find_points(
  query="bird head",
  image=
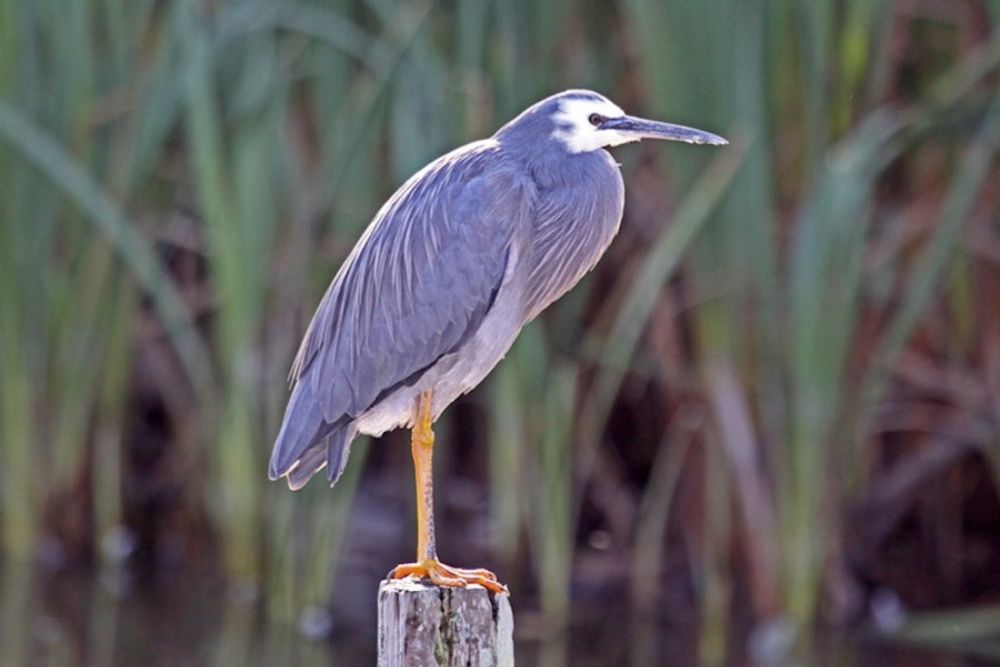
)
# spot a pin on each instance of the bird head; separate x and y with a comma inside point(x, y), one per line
point(585, 121)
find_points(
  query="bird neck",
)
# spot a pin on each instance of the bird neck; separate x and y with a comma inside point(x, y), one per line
point(557, 167)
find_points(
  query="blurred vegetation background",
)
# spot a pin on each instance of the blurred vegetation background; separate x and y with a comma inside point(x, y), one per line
point(774, 406)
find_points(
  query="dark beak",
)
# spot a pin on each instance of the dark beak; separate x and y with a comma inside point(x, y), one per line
point(654, 129)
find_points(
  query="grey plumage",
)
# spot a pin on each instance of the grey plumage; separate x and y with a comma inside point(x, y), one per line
point(466, 252)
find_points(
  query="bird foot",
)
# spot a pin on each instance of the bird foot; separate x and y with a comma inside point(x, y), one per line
point(440, 574)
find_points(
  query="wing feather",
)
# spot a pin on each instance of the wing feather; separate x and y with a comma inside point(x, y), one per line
point(419, 281)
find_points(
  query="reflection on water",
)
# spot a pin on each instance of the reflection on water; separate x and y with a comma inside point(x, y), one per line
point(85, 621)
point(102, 621)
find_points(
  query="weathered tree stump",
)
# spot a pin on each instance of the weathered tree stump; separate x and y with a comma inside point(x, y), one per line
point(423, 625)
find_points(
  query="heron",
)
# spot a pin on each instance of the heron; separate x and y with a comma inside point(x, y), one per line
point(465, 253)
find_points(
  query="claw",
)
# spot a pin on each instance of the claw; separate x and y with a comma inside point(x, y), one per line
point(440, 574)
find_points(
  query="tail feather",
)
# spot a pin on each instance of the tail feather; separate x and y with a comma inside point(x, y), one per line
point(330, 452)
point(338, 448)
point(310, 464)
point(307, 442)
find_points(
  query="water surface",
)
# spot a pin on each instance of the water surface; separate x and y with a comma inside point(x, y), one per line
point(88, 620)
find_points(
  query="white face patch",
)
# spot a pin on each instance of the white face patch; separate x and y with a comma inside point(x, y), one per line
point(578, 134)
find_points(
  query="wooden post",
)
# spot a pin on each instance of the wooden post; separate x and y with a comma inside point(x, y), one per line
point(421, 625)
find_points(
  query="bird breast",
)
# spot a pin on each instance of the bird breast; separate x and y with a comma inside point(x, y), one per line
point(578, 214)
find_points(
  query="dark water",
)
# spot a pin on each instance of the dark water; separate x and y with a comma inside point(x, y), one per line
point(85, 620)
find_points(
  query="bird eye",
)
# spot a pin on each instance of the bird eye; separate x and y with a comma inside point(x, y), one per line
point(596, 119)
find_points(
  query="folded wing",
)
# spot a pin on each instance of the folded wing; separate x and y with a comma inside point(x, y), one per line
point(415, 287)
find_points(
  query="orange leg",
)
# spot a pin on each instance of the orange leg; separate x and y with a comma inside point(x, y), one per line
point(427, 565)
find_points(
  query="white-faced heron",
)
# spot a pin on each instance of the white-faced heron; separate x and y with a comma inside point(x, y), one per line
point(463, 255)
